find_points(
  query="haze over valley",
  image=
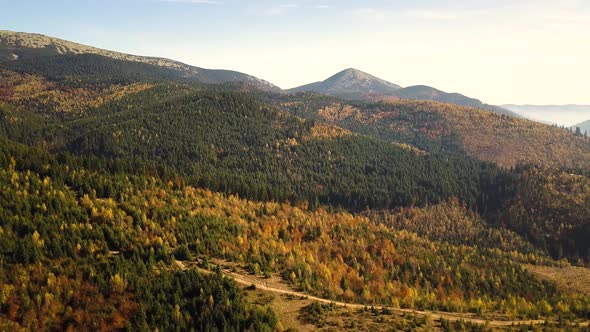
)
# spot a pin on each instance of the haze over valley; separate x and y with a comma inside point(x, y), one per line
point(563, 115)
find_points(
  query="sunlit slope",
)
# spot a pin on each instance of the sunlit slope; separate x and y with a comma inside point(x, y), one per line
point(434, 126)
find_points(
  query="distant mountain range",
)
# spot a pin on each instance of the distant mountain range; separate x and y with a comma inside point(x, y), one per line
point(355, 84)
point(584, 126)
point(565, 115)
point(350, 83)
point(19, 45)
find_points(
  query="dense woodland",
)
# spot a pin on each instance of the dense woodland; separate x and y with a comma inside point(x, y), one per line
point(551, 209)
point(67, 261)
point(229, 142)
point(111, 171)
point(54, 227)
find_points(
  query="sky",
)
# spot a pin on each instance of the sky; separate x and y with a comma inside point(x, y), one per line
point(517, 52)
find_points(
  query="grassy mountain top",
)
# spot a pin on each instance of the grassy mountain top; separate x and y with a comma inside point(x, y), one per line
point(31, 43)
point(18, 46)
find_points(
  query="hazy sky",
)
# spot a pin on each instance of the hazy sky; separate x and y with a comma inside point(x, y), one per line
point(529, 51)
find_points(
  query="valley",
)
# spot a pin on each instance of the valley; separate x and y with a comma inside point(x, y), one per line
point(141, 193)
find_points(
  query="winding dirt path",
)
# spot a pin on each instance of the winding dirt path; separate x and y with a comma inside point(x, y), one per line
point(264, 285)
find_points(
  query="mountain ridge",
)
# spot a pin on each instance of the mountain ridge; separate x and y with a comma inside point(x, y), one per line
point(352, 83)
point(15, 46)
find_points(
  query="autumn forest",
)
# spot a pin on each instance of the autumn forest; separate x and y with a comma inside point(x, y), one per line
point(129, 189)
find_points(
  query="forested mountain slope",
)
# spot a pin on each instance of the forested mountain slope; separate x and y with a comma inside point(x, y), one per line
point(70, 260)
point(551, 209)
point(77, 242)
point(433, 126)
point(228, 141)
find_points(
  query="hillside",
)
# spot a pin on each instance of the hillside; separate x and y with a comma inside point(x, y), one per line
point(355, 84)
point(508, 141)
point(230, 142)
point(219, 138)
point(107, 247)
point(19, 46)
point(433, 126)
point(563, 226)
point(422, 92)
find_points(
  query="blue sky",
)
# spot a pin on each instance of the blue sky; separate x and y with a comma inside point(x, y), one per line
point(499, 51)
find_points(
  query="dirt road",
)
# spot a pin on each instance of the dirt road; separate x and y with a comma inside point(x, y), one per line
point(262, 284)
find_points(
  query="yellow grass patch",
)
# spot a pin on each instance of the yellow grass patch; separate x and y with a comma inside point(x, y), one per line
point(569, 278)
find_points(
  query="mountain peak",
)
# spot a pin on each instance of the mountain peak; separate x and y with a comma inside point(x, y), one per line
point(351, 82)
point(353, 72)
point(355, 76)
